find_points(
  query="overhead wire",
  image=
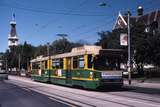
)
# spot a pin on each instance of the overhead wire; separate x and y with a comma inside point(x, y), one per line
point(70, 10)
point(88, 31)
point(64, 13)
point(94, 28)
point(48, 12)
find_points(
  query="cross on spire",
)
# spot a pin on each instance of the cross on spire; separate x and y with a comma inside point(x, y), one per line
point(13, 17)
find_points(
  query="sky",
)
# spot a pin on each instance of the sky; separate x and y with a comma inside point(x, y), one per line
point(39, 21)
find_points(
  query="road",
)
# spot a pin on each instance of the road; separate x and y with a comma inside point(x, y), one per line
point(23, 91)
point(14, 96)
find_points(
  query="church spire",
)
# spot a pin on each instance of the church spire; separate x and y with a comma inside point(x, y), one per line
point(12, 37)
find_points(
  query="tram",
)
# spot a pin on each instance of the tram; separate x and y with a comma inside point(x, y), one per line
point(88, 66)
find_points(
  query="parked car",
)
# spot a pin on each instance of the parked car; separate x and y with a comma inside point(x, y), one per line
point(3, 75)
point(125, 72)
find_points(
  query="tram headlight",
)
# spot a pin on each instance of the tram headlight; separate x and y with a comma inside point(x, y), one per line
point(91, 75)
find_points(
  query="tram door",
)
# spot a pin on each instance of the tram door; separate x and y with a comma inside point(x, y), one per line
point(68, 72)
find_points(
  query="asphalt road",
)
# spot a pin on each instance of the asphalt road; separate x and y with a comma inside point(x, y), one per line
point(15, 96)
point(23, 92)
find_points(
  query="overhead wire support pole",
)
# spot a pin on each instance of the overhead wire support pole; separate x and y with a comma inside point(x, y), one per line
point(6, 65)
point(19, 63)
point(49, 58)
point(129, 50)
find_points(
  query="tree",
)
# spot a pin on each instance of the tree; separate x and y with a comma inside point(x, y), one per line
point(145, 46)
point(40, 50)
point(64, 45)
point(26, 53)
point(110, 39)
point(23, 52)
point(61, 46)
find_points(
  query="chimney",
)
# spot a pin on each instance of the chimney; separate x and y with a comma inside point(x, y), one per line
point(140, 11)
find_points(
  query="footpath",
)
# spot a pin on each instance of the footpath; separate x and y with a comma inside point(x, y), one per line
point(151, 83)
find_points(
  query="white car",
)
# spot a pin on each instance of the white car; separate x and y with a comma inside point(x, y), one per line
point(125, 72)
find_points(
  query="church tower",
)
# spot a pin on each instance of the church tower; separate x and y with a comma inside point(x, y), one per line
point(12, 36)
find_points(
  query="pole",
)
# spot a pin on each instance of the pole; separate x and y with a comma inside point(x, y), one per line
point(19, 62)
point(129, 51)
point(48, 52)
point(6, 65)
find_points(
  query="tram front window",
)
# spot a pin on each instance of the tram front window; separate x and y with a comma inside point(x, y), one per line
point(106, 63)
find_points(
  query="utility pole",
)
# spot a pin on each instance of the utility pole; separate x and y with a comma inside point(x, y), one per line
point(62, 35)
point(6, 65)
point(49, 58)
point(129, 50)
point(19, 62)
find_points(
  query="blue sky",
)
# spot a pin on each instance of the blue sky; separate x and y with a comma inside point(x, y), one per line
point(38, 21)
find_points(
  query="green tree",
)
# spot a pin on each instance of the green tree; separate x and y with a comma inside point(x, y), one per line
point(23, 52)
point(64, 45)
point(110, 39)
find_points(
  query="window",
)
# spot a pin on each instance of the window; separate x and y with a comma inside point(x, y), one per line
point(81, 62)
point(106, 63)
point(61, 63)
point(57, 63)
point(78, 62)
point(90, 60)
point(75, 62)
point(45, 64)
point(35, 65)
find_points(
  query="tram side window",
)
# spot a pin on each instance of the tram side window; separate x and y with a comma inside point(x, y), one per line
point(35, 65)
point(81, 62)
point(61, 63)
point(53, 64)
point(42, 65)
point(75, 62)
point(46, 64)
point(90, 61)
point(57, 63)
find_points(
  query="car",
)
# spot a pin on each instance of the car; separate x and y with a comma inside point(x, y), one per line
point(3, 75)
point(125, 72)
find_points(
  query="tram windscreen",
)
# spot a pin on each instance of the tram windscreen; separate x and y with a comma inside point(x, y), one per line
point(107, 60)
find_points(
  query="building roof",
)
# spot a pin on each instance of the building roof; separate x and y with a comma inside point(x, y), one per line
point(147, 19)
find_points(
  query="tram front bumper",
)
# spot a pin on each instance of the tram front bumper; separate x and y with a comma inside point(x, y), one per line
point(111, 82)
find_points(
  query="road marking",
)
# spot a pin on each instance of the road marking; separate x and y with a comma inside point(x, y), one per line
point(61, 102)
point(27, 89)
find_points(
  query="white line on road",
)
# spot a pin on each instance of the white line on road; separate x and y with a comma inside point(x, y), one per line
point(27, 89)
point(61, 102)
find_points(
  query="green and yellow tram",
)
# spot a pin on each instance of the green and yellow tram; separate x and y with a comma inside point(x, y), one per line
point(87, 66)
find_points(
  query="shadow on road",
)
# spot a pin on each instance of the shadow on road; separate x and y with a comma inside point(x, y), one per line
point(151, 90)
point(135, 89)
point(14, 96)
